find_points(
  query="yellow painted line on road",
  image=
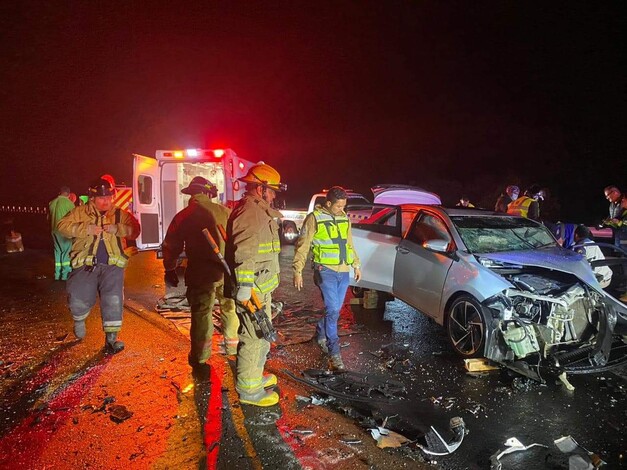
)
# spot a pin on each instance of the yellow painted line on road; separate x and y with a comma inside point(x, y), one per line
point(237, 415)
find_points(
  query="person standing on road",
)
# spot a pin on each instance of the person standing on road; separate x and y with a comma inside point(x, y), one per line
point(204, 275)
point(252, 252)
point(527, 205)
point(511, 194)
point(327, 232)
point(617, 211)
point(98, 230)
point(58, 208)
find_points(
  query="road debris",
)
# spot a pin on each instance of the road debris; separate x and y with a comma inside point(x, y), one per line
point(301, 430)
point(513, 445)
point(580, 458)
point(119, 413)
point(352, 386)
point(436, 445)
point(479, 365)
point(350, 439)
point(386, 438)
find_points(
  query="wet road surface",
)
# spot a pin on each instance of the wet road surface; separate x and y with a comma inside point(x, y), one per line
point(39, 367)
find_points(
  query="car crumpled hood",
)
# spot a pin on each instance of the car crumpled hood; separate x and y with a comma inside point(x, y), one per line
point(555, 258)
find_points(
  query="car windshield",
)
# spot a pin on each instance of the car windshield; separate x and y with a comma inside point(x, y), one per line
point(492, 234)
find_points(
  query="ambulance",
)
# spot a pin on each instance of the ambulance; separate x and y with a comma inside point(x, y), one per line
point(158, 180)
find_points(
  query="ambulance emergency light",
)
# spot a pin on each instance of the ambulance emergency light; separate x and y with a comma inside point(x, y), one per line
point(191, 154)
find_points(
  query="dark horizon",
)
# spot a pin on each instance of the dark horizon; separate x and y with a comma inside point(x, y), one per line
point(455, 98)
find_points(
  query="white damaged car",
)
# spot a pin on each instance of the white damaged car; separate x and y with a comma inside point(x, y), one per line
point(501, 286)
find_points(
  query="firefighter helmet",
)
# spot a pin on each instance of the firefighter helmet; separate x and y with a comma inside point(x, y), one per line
point(200, 185)
point(100, 187)
point(264, 175)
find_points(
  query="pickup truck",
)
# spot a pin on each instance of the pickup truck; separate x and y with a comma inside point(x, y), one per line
point(357, 208)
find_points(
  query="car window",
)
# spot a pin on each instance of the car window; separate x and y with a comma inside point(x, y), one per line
point(492, 234)
point(407, 218)
point(428, 227)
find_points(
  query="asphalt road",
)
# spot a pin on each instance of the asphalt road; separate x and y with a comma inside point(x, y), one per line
point(180, 412)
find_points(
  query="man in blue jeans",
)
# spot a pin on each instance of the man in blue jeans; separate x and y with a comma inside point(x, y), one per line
point(327, 232)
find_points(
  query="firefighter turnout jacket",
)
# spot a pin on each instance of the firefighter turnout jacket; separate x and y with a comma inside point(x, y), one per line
point(84, 246)
point(185, 233)
point(253, 244)
point(330, 239)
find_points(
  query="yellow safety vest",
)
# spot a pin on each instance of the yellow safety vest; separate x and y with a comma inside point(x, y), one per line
point(520, 206)
point(330, 243)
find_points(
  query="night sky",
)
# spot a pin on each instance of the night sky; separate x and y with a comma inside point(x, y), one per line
point(457, 97)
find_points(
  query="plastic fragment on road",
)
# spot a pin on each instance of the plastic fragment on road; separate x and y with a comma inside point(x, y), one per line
point(436, 445)
point(119, 413)
point(386, 438)
point(301, 430)
point(513, 445)
point(479, 365)
point(581, 458)
point(565, 381)
point(350, 439)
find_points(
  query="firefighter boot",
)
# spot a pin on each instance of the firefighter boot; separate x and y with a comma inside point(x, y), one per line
point(79, 329)
point(112, 345)
point(336, 363)
point(262, 398)
point(269, 380)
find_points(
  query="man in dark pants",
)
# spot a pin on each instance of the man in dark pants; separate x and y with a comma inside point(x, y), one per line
point(98, 230)
point(204, 275)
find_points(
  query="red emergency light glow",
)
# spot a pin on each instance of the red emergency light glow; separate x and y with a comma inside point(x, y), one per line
point(218, 153)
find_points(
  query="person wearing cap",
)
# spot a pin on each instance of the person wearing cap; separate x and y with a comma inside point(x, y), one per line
point(511, 194)
point(98, 230)
point(204, 275)
point(326, 232)
point(252, 252)
point(527, 205)
point(58, 208)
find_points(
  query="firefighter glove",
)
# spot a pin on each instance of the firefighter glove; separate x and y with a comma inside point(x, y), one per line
point(244, 294)
point(171, 278)
point(93, 229)
point(111, 228)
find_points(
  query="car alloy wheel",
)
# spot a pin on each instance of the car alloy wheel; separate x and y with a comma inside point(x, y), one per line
point(466, 327)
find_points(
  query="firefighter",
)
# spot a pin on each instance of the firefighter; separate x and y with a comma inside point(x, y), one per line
point(252, 251)
point(58, 208)
point(204, 275)
point(527, 205)
point(97, 231)
point(327, 231)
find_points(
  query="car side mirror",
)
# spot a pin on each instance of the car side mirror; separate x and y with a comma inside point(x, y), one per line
point(437, 245)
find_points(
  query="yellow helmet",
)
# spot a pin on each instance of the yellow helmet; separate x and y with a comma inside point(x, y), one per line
point(264, 175)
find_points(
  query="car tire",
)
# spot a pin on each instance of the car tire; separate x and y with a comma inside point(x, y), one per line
point(466, 326)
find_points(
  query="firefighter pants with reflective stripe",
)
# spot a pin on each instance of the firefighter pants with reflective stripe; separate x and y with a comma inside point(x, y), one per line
point(62, 247)
point(105, 281)
point(229, 320)
point(253, 349)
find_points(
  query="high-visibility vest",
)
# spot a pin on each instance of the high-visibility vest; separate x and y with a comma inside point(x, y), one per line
point(330, 243)
point(520, 206)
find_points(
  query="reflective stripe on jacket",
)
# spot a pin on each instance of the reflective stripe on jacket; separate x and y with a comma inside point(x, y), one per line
point(330, 242)
point(84, 246)
point(253, 244)
point(520, 206)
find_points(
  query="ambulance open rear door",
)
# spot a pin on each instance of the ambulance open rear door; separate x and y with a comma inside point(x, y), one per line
point(147, 201)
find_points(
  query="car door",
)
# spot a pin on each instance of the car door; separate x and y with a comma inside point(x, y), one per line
point(420, 273)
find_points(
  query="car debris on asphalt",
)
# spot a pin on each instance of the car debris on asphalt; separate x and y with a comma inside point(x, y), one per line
point(580, 458)
point(513, 445)
point(436, 445)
